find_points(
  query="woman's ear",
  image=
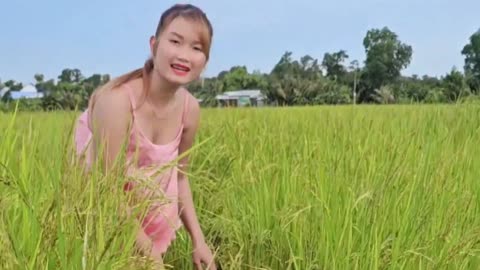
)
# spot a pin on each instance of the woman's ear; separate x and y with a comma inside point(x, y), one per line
point(153, 45)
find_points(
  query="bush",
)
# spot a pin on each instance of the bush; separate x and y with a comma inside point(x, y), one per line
point(24, 104)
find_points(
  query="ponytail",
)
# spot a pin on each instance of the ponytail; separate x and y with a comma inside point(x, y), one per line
point(147, 69)
point(135, 74)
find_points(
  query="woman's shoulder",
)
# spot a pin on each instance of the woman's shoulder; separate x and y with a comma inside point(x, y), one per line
point(192, 101)
point(111, 103)
point(115, 99)
point(192, 110)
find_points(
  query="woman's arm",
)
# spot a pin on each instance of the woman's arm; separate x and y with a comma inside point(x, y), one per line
point(187, 210)
point(201, 251)
point(109, 122)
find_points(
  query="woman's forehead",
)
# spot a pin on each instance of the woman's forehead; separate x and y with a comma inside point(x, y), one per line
point(186, 27)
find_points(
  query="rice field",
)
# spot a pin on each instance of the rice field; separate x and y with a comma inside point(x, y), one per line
point(365, 187)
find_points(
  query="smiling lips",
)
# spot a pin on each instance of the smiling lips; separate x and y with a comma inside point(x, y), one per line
point(180, 70)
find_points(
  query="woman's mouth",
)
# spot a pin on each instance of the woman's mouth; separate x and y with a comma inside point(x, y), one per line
point(179, 69)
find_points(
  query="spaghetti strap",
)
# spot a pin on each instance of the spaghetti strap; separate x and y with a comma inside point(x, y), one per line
point(185, 106)
point(131, 96)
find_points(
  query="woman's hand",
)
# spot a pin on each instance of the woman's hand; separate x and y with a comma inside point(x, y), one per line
point(203, 254)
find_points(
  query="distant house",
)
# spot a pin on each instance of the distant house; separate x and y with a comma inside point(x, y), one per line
point(241, 98)
point(29, 91)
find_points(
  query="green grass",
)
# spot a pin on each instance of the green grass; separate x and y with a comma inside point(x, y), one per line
point(366, 187)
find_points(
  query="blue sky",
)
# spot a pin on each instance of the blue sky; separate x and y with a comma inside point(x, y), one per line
point(112, 36)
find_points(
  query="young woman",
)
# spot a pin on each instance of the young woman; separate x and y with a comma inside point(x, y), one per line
point(159, 117)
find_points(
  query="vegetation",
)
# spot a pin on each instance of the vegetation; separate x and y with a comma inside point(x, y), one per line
point(363, 187)
point(306, 81)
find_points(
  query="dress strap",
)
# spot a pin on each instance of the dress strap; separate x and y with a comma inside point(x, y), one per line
point(131, 96)
point(185, 106)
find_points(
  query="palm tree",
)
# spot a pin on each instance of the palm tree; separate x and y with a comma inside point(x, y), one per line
point(384, 95)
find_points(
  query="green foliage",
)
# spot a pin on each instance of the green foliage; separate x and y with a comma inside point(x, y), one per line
point(302, 81)
point(239, 78)
point(455, 86)
point(294, 82)
point(71, 76)
point(9, 86)
point(70, 92)
point(366, 187)
point(471, 51)
point(386, 56)
point(333, 63)
point(13, 85)
point(23, 104)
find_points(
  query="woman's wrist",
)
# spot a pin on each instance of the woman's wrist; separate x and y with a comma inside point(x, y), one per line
point(197, 239)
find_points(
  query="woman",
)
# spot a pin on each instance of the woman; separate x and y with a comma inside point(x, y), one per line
point(159, 118)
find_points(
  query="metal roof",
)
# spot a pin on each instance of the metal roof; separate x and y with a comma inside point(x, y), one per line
point(229, 95)
point(28, 91)
point(20, 94)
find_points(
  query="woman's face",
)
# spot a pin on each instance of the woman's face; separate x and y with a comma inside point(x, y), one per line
point(178, 54)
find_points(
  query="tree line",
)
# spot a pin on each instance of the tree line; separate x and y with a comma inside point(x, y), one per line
point(305, 81)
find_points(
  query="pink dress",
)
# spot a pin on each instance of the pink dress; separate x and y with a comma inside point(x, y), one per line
point(162, 221)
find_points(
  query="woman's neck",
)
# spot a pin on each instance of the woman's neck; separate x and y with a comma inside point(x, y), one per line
point(161, 91)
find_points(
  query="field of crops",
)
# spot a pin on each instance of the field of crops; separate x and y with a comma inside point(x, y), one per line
point(366, 187)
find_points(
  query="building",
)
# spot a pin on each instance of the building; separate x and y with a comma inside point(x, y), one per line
point(29, 91)
point(241, 98)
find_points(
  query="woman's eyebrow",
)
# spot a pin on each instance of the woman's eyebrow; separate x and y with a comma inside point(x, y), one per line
point(176, 34)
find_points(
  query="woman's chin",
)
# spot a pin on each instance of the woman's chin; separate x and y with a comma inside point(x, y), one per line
point(178, 79)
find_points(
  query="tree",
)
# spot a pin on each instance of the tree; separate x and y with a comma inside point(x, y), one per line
point(333, 63)
point(93, 82)
point(384, 95)
point(386, 56)
point(44, 86)
point(239, 78)
point(309, 68)
point(294, 82)
point(13, 85)
point(39, 78)
point(471, 51)
point(306, 68)
point(454, 85)
point(10, 86)
point(300, 82)
point(284, 65)
point(410, 89)
point(2, 92)
point(71, 76)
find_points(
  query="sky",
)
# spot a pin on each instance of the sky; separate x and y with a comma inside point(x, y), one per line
point(111, 36)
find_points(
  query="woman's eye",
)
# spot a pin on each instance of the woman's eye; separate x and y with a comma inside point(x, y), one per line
point(174, 41)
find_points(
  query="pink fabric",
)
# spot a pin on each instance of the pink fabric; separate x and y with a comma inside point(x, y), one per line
point(162, 221)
